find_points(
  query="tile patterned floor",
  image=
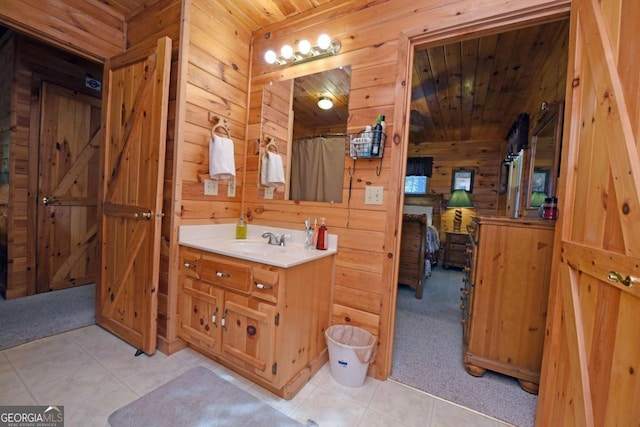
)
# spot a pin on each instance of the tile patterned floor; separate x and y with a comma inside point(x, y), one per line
point(92, 373)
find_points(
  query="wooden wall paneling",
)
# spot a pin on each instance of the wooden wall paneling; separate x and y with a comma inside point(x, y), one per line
point(87, 28)
point(371, 42)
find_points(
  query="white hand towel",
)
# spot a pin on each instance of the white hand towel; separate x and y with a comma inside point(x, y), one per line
point(272, 173)
point(222, 163)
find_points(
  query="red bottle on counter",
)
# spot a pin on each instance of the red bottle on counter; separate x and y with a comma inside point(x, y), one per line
point(323, 237)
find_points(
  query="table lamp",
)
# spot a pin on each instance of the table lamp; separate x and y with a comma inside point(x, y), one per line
point(459, 199)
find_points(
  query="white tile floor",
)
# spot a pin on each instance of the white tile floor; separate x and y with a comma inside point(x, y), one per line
point(92, 373)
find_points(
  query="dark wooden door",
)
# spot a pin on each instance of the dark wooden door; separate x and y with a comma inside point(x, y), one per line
point(591, 362)
point(67, 189)
point(132, 163)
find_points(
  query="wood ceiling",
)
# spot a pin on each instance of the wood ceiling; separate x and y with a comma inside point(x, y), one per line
point(255, 14)
point(474, 89)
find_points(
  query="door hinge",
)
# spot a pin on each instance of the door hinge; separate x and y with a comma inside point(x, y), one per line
point(274, 368)
point(276, 320)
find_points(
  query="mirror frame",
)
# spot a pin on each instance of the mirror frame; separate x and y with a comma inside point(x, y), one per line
point(550, 114)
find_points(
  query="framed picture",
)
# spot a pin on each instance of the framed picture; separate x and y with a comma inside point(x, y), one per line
point(462, 179)
point(540, 179)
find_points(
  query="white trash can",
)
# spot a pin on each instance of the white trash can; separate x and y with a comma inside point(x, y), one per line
point(351, 350)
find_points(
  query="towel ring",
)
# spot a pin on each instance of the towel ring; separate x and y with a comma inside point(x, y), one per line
point(221, 123)
point(271, 143)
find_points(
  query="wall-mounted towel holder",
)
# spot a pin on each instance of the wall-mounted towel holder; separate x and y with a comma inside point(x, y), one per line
point(219, 122)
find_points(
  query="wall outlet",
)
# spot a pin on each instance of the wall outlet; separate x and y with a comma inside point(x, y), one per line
point(231, 188)
point(373, 195)
point(210, 187)
point(268, 193)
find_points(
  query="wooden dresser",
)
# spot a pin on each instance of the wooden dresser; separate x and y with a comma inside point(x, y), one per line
point(504, 300)
point(412, 251)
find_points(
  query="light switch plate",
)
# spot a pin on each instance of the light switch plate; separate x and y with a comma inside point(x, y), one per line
point(373, 195)
point(231, 188)
point(268, 193)
point(210, 187)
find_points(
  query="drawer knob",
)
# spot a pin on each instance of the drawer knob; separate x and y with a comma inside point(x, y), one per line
point(262, 286)
point(189, 265)
point(221, 274)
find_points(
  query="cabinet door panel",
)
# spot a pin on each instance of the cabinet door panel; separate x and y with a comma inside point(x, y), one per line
point(201, 314)
point(249, 334)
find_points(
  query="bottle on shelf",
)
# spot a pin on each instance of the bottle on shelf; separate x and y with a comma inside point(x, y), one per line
point(323, 238)
point(377, 137)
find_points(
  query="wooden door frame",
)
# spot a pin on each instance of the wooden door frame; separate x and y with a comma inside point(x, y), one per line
point(408, 42)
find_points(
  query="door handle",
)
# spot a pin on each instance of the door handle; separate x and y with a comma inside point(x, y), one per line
point(614, 276)
point(48, 201)
point(148, 214)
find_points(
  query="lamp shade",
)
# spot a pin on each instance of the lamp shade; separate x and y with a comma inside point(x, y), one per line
point(537, 198)
point(460, 199)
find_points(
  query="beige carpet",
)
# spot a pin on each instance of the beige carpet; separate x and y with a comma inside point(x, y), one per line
point(199, 397)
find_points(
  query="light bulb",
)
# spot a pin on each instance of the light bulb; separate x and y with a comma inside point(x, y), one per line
point(304, 47)
point(270, 57)
point(324, 42)
point(286, 51)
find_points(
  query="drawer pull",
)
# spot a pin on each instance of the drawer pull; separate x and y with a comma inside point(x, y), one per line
point(221, 274)
point(189, 265)
point(223, 322)
point(262, 286)
point(214, 318)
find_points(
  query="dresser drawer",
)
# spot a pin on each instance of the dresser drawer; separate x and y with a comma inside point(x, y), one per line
point(190, 262)
point(225, 273)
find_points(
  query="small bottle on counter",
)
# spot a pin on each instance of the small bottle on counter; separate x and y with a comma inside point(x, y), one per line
point(241, 229)
point(323, 237)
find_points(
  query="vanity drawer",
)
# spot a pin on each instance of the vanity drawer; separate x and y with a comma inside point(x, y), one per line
point(265, 284)
point(190, 262)
point(225, 273)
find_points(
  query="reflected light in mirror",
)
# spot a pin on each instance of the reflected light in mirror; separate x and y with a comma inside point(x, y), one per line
point(325, 103)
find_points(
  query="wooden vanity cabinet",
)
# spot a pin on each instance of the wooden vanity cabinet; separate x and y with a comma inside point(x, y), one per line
point(505, 297)
point(264, 322)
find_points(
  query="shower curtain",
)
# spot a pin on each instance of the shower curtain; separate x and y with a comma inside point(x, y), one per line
point(317, 169)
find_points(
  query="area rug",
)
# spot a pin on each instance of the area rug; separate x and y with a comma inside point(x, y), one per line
point(199, 397)
point(38, 316)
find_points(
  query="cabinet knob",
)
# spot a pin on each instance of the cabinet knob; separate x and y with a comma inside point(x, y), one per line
point(189, 265)
point(221, 274)
point(261, 286)
point(463, 321)
point(463, 307)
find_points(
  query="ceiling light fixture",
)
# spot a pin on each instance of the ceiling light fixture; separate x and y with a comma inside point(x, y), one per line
point(306, 52)
point(325, 103)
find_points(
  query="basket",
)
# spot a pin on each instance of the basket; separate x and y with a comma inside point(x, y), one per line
point(360, 145)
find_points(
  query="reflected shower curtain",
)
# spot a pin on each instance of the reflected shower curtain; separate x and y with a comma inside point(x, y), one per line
point(317, 169)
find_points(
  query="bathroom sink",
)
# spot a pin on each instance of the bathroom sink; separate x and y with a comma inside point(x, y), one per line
point(255, 247)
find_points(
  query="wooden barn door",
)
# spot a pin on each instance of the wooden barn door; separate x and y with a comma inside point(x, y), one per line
point(591, 362)
point(67, 189)
point(132, 163)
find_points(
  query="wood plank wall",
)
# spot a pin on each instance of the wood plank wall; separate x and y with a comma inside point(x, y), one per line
point(88, 28)
point(7, 133)
point(373, 37)
point(34, 62)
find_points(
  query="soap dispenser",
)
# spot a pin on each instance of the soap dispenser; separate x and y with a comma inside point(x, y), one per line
point(323, 237)
point(241, 229)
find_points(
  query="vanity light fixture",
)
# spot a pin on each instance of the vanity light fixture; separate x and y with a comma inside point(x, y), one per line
point(305, 51)
point(325, 103)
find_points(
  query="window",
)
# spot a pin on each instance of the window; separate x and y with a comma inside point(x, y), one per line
point(415, 185)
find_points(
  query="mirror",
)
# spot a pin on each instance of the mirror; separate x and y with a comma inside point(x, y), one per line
point(545, 154)
point(311, 140)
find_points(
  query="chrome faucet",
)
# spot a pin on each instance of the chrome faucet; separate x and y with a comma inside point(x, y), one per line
point(274, 239)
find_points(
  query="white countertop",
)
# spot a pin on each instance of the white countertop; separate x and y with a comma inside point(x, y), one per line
point(220, 239)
